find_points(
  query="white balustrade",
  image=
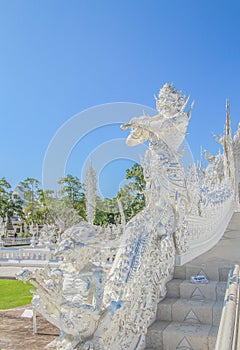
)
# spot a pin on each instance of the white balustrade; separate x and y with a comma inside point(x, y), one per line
point(26, 256)
point(10, 241)
point(205, 232)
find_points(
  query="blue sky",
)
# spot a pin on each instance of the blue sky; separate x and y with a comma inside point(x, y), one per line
point(61, 57)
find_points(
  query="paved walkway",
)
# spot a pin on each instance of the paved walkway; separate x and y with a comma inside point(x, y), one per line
point(9, 272)
point(16, 332)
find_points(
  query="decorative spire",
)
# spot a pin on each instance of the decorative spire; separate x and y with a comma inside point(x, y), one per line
point(122, 215)
point(228, 119)
point(228, 144)
point(91, 189)
point(201, 159)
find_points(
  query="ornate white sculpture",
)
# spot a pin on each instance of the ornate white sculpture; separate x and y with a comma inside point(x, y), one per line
point(104, 294)
point(47, 235)
point(63, 215)
point(32, 233)
point(121, 212)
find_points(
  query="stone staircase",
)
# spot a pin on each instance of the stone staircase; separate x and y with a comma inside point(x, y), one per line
point(188, 318)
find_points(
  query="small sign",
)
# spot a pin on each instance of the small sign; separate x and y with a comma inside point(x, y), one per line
point(199, 279)
point(27, 313)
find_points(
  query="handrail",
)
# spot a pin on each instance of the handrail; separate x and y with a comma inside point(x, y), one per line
point(205, 232)
point(228, 333)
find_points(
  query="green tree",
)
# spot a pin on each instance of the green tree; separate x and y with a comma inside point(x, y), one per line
point(41, 212)
point(72, 191)
point(107, 212)
point(131, 197)
point(132, 194)
point(136, 173)
point(45, 197)
point(30, 195)
point(36, 201)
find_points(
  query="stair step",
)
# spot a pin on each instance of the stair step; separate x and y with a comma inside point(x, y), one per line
point(177, 288)
point(163, 335)
point(190, 290)
point(188, 318)
point(190, 310)
point(210, 271)
point(154, 337)
point(173, 288)
point(213, 273)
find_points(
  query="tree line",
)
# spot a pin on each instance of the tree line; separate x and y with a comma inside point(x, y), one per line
point(35, 206)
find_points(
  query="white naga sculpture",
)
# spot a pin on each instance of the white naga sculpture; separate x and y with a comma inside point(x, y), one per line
point(105, 292)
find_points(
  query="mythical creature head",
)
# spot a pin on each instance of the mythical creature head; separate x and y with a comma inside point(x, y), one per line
point(77, 235)
point(169, 125)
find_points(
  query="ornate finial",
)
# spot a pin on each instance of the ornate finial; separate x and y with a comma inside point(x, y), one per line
point(228, 120)
point(227, 107)
point(201, 159)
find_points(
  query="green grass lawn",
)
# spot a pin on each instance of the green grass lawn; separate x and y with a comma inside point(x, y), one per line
point(14, 293)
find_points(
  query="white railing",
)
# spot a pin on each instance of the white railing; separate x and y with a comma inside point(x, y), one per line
point(205, 232)
point(26, 256)
point(228, 333)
